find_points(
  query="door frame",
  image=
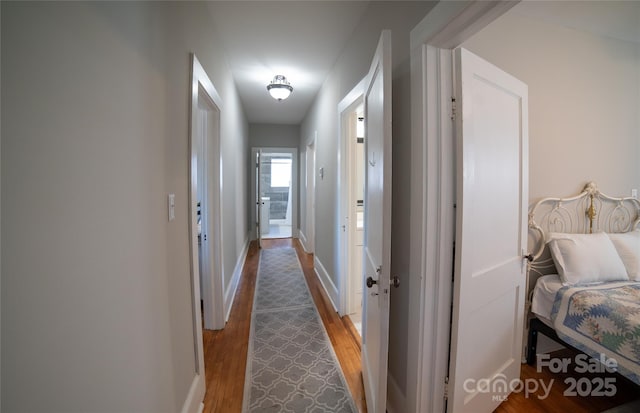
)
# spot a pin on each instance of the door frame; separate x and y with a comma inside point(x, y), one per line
point(203, 93)
point(432, 211)
point(309, 234)
point(345, 108)
point(294, 185)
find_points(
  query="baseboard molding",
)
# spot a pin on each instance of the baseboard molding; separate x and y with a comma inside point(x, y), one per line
point(230, 293)
point(303, 240)
point(396, 400)
point(193, 403)
point(328, 285)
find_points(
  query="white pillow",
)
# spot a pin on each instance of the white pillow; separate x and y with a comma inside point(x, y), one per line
point(628, 246)
point(586, 258)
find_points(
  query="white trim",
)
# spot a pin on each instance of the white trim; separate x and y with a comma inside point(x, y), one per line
point(325, 280)
point(450, 23)
point(200, 82)
point(193, 403)
point(345, 108)
point(230, 293)
point(204, 92)
point(310, 196)
point(294, 184)
point(303, 241)
point(396, 400)
point(433, 190)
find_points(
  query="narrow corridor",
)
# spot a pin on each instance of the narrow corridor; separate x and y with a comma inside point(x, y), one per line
point(225, 351)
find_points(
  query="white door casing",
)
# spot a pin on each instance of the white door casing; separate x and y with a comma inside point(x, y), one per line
point(491, 234)
point(260, 155)
point(204, 96)
point(347, 175)
point(377, 237)
point(432, 211)
point(310, 183)
point(258, 197)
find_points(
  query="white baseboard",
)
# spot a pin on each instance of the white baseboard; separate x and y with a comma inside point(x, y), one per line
point(325, 280)
point(193, 403)
point(230, 292)
point(303, 240)
point(396, 400)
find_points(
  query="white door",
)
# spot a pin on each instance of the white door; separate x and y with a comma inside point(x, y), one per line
point(491, 235)
point(377, 236)
point(258, 197)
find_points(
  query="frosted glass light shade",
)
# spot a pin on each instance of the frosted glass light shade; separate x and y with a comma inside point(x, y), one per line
point(279, 88)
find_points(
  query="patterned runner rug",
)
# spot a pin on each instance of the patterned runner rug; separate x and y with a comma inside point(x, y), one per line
point(291, 366)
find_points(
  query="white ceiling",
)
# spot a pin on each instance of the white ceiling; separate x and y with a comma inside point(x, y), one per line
point(302, 40)
point(298, 39)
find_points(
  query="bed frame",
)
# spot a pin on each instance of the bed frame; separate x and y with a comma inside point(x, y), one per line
point(589, 211)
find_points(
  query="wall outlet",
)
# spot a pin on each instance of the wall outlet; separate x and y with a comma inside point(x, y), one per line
point(634, 193)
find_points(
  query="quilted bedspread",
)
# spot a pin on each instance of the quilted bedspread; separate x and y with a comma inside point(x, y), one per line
point(602, 319)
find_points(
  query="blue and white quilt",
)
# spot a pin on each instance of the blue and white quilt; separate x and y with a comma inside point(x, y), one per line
point(602, 319)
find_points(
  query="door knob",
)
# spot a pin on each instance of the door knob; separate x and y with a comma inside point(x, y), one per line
point(371, 282)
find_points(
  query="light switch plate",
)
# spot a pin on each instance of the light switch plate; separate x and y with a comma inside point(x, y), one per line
point(172, 207)
point(634, 193)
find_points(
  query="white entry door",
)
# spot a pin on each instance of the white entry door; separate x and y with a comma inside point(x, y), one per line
point(491, 235)
point(377, 233)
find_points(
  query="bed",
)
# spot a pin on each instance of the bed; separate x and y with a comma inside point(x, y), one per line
point(584, 277)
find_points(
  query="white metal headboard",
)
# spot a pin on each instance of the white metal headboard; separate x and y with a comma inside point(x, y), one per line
point(589, 211)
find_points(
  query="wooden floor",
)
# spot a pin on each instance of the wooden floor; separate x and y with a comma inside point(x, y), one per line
point(225, 351)
point(558, 402)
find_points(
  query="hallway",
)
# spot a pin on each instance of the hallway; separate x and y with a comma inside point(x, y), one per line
point(225, 351)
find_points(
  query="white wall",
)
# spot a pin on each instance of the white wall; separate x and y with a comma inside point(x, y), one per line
point(268, 135)
point(352, 65)
point(584, 101)
point(95, 134)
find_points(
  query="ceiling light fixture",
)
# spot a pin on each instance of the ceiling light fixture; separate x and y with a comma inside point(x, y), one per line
point(279, 88)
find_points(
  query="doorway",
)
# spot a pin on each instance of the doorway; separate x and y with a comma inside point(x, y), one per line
point(354, 227)
point(352, 169)
point(308, 236)
point(204, 224)
point(275, 192)
point(205, 202)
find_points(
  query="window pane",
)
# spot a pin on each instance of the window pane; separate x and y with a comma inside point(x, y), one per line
point(280, 172)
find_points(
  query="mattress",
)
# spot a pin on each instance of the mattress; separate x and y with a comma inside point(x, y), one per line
point(544, 295)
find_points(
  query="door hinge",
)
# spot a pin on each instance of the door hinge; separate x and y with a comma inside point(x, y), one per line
point(446, 388)
point(453, 108)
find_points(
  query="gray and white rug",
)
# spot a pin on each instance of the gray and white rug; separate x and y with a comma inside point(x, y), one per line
point(291, 366)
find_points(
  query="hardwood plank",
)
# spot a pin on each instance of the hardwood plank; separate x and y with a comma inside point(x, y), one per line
point(557, 402)
point(225, 351)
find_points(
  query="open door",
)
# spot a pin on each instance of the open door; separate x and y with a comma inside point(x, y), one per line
point(491, 235)
point(258, 199)
point(377, 235)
